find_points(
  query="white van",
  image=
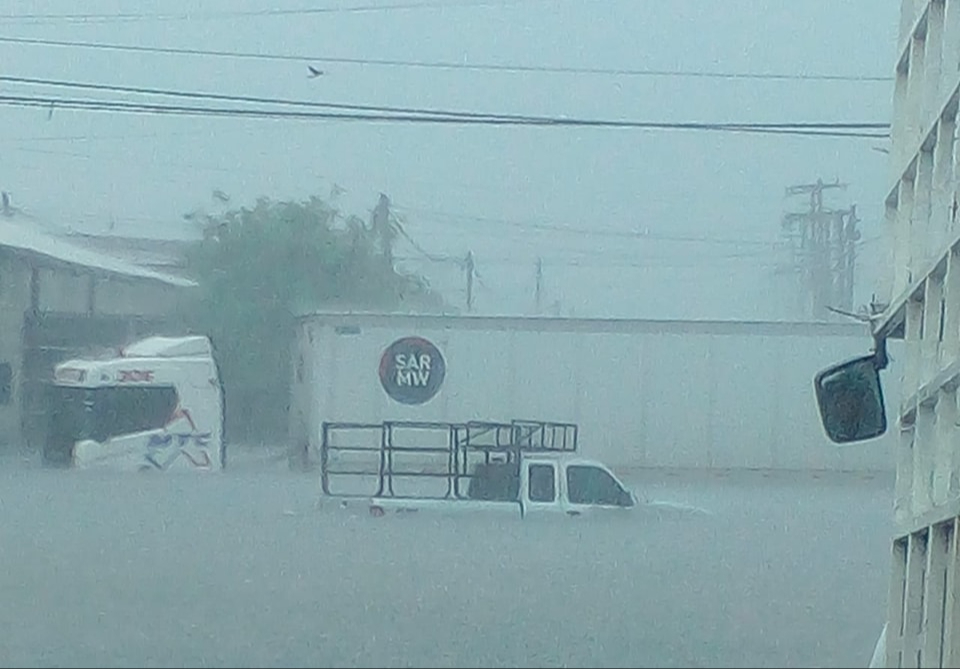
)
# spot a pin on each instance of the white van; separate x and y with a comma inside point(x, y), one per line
point(156, 406)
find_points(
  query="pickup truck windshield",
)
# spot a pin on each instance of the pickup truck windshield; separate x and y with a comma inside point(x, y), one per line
point(592, 485)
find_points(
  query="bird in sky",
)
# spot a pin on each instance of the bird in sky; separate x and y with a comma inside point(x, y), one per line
point(314, 72)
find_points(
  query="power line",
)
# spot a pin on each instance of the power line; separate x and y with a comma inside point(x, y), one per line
point(282, 102)
point(584, 259)
point(82, 104)
point(747, 247)
point(98, 138)
point(554, 256)
point(287, 102)
point(449, 65)
point(152, 159)
point(397, 223)
point(258, 13)
point(613, 263)
point(595, 232)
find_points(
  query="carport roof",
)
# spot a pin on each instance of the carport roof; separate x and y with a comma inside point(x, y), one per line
point(23, 238)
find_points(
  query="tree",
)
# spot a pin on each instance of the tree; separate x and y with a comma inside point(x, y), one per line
point(258, 267)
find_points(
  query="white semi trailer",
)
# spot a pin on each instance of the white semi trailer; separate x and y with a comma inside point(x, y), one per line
point(644, 393)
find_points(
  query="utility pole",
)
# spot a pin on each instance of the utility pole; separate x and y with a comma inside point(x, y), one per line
point(469, 267)
point(538, 291)
point(382, 228)
point(823, 242)
point(847, 247)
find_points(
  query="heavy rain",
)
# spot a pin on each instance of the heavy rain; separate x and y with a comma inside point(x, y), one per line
point(465, 333)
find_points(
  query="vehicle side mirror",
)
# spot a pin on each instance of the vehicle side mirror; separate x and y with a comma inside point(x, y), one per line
point(850, 399)
point(626, 499)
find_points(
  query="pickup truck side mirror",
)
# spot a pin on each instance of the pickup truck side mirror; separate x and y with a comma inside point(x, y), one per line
point(850, 399)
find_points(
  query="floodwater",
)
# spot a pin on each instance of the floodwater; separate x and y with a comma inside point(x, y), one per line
point(241, 569)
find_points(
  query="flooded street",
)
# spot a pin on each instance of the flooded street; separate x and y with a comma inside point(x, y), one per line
point(528, 250)
point(240, 569)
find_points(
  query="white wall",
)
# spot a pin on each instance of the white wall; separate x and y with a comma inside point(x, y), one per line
point(67, 290)
point(14, 298)
point(645, 394)
point(63, 289)
point(121, 296)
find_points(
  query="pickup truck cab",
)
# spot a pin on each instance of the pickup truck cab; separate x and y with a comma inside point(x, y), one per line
point(540, 485)
point(524, 468)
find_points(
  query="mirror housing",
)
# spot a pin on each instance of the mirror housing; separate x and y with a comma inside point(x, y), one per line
point(850, 399)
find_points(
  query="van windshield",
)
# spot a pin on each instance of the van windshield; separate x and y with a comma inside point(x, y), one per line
point(101, 414)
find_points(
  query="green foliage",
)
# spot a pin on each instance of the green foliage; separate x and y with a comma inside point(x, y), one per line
point(258, 267)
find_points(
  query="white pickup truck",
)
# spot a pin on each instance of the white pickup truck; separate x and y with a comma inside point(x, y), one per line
point(522, 468)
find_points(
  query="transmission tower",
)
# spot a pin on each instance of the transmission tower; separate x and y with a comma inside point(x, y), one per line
point(823, 244)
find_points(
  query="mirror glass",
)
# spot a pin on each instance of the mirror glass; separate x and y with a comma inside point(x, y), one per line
point(851, 401)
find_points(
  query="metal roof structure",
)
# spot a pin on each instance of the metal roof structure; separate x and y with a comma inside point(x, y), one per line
point(164, 255)
point(37, 242)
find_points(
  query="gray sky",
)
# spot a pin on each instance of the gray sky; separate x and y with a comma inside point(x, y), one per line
point(472, 188)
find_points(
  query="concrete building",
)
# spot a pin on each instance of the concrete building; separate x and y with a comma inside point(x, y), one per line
point(922, 292)
point(59, 299)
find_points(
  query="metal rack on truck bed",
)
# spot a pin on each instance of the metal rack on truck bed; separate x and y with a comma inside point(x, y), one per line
point(469, 460)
